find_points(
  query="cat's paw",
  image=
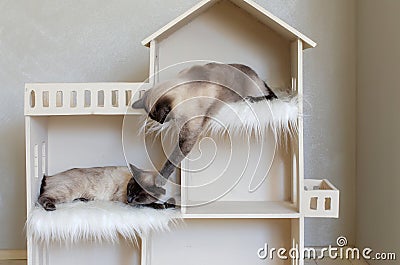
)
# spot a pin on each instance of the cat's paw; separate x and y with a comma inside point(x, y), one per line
point(47, 203)
point(49, 206)
point(170, 203)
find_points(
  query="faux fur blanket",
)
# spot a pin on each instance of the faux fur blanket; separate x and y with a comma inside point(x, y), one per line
point(247, 118)
point(98, 221)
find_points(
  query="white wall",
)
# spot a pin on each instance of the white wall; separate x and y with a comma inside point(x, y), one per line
point(378, 126)
point(86, 41)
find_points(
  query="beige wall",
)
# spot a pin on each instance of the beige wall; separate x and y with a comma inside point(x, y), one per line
point(378, 126)
point(86, 41)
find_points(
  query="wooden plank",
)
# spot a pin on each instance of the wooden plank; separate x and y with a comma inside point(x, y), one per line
point(294, 145)
point(184, 185)
point(13, 254)
point(295, 234)
point(145, 250)
point(13, 262)
point(328, 261)
point(243, 209)
point(301, 239)
point(295, 174)
point(28, 164)
point(252, 8)
point(299, 86)
point(29, 203)
point(297, 76)
point(309, 262)
point(358, 262)
point(153, 74)
point(79, 88)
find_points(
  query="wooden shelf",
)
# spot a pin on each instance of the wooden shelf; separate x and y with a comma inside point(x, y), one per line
point(241, 209)
point(58, 99)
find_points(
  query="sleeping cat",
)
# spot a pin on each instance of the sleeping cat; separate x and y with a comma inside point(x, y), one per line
point(97, 183)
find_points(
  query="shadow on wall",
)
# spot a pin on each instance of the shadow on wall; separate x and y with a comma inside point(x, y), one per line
point(12, 179)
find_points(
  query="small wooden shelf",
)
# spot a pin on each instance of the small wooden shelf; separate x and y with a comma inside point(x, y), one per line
point(58, 99)
point(243, 209)
point(321, 199)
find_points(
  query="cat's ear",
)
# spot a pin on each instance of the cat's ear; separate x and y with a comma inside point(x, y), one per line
point(139, 104)
point(134, 170)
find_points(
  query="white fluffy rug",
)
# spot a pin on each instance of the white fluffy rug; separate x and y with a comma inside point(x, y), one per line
point(245, 118)
point(98, 221)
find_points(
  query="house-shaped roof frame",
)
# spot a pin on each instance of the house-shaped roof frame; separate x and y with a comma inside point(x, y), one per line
point(251, 7)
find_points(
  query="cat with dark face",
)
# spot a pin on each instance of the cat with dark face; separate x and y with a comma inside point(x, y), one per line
point(99, 183)
point(141, 188)
point(192, 99)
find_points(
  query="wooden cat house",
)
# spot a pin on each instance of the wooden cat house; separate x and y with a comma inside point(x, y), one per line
point(222, 220)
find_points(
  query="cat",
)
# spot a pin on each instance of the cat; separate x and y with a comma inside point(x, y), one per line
point(96, 183)
point(191, 100)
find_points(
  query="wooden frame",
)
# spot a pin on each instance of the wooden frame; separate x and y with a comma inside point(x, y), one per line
point(46, 102)
point(254, 9)
point(13, 254)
